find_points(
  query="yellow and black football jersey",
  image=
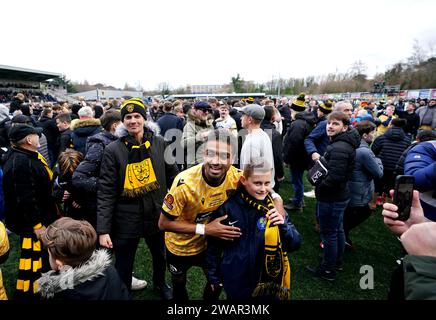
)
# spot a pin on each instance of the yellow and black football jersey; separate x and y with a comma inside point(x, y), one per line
point(193, 200)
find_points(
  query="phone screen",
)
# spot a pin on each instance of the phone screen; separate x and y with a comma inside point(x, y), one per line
point(403, 198)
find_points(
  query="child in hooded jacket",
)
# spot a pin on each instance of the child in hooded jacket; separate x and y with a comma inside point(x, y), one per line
point(79, 271)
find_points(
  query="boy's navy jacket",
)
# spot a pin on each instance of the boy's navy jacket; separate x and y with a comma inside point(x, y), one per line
point(238, 264)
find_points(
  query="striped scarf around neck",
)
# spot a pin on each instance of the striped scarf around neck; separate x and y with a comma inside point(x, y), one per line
point(275, 279)
point(140, 177)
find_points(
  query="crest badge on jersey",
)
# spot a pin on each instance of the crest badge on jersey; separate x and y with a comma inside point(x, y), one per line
point(261, 223)
point(168, 201)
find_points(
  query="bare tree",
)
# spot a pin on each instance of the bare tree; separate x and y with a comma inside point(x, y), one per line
point(418, 54)
point(127, 87)
point(431, 49)
point(164, 88)
point(358, 68)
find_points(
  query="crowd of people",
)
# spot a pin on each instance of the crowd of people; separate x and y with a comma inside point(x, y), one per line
point(200, 182)
point(8, 95)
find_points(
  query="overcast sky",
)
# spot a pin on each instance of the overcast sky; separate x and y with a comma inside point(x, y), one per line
point(209, 41)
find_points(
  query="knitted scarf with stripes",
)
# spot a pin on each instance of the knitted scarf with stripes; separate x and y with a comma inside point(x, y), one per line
point(140, 177)
point(275, 279)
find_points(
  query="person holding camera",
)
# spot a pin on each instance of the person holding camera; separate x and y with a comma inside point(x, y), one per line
point(415, 279)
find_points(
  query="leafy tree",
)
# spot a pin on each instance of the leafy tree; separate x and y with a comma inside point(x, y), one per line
point(66, 83)
point(237, 83)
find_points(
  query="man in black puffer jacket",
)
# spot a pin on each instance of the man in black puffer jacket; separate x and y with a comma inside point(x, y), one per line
point(134, 179)
point(333, 194)
point(389, 147)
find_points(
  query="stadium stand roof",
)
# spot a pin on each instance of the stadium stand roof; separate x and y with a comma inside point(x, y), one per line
point(22, 74)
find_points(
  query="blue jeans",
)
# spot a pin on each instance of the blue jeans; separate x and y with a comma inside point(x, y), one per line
point(331, 216)
point(297, 183)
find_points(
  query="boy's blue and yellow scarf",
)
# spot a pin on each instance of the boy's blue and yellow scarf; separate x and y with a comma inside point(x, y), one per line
point(275, 279)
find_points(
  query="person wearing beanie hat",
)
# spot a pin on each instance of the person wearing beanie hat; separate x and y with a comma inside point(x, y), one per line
point(133, 105)
point(323, 110)
point(326, 107)
point(248, 100)
point(299, 104)
point(135, 174)
point(294, 152)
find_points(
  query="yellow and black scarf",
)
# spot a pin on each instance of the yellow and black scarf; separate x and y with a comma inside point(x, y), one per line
point(46, 166)
point(275, 279)
point(140, 177)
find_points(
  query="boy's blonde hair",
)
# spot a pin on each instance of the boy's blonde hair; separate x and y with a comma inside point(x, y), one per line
point(70, 241)
point(257, 166)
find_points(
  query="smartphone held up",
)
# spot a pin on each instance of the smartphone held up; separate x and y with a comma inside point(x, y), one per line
point(403, 195)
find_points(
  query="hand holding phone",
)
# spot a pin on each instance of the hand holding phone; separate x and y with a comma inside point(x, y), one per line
point(390, 215)
point(403, 195)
